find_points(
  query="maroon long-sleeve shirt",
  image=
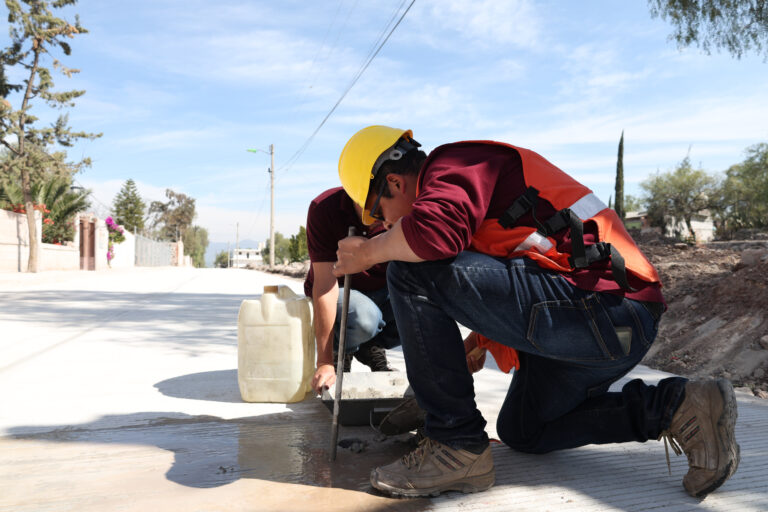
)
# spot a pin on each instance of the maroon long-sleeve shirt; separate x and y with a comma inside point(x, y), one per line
point(328, 219)
point(464, 183)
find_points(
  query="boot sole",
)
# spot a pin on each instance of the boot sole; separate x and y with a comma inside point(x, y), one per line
point(726, 425)
point(471, 484)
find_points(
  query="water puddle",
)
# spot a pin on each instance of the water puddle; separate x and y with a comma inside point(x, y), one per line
point(285, 447)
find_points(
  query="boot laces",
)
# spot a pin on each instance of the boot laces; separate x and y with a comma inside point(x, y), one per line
point(417, 456)
point(669, 440)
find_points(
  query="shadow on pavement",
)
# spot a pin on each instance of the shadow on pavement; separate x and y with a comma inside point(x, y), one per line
point(292, 447)
point(287, 447)
point(214, 386)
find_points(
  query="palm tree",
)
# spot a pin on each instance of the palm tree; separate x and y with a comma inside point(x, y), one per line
point(62, 202)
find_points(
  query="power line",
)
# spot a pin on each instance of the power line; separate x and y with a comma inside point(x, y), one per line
point(289, 163)
point(92, 196)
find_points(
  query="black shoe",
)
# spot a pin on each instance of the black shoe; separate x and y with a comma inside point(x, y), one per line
point(374, 357)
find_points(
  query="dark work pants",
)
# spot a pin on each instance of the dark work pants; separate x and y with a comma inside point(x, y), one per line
point(573, 345)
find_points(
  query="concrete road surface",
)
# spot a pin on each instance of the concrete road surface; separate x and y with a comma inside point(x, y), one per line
point(118, 391)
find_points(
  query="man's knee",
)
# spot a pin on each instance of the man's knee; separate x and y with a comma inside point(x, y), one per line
point(366, 322)
point(364, 319)
point(513, 436)
point(396, 272)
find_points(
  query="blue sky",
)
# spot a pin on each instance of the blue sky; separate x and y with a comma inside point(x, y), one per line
point(181, 88)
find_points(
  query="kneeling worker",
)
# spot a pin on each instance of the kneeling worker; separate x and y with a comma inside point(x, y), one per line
point(371, 327)
point(498, 239)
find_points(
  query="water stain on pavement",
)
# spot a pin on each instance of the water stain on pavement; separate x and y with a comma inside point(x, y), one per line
point(285, 447)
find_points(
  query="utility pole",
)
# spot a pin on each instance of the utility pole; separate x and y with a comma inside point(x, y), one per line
point(272, 206)
point(271, 172)
point(237, 244)
point(229, 256)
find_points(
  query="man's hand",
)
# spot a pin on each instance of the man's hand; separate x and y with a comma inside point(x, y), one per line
point(324, 378)
point(351, 256)
point(475, 355)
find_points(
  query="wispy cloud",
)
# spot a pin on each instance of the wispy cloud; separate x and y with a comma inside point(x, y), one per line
point(483, 23)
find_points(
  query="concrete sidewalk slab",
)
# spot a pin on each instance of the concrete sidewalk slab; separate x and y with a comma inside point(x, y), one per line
point(118, 391)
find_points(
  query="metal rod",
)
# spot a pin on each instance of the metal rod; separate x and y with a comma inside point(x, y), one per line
point(340, 358)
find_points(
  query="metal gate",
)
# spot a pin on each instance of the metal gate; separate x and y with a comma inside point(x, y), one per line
point(153, 253)
point(87, 244)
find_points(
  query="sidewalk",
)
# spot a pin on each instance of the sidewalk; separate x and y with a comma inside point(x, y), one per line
point(118, 391)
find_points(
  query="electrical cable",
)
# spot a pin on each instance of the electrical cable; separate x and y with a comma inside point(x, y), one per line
point(91, 196)
point(289, 163)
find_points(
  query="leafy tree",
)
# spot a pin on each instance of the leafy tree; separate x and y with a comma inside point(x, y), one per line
point(171, 219)
point(678, 195)
point(282, 248)
point(58, 198)
point(222, 260)
point(632, 204)
point(734, 25)
point(195, 244)
point(744, 193)
point(297, 248)
point(34, 33)
point(128, 208)
point(619, 206)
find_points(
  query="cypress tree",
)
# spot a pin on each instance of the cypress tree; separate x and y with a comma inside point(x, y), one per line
point(619, 206)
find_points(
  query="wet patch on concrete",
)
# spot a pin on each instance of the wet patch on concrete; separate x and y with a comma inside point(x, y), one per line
point(286, 447)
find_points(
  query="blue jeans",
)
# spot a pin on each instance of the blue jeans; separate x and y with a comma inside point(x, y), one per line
point(370, 318)
point(573, 344)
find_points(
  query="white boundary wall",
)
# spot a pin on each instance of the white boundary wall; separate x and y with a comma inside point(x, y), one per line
point(14, 246)
point(125, 252)
point(59, 257)
point(14, 240)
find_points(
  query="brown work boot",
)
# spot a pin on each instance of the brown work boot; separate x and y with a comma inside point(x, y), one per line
point(703, 428)
point(433, 468)
point(405, 417)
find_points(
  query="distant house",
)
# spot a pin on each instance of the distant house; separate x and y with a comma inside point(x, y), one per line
point(636, 220)
point(702, 224)
point(241, 258)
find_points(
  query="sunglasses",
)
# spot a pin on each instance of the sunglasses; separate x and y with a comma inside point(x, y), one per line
point(374, 213)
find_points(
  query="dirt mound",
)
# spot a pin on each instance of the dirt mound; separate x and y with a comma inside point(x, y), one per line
point(716, 324)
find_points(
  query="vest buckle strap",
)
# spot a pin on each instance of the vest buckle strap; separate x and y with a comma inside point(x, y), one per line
point(520, 207)
point(602, 251)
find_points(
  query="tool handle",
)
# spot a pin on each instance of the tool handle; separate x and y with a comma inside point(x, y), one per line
point(340, 357)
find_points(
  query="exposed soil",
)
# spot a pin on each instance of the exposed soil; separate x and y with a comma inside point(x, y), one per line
point(716, 324)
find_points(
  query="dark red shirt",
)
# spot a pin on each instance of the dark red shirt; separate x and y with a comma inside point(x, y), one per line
point(462, 184)
point(328, 219)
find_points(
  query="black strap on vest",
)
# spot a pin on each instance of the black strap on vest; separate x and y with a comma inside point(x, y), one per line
point(520, 207)
point(603, 250)
point(581, 256)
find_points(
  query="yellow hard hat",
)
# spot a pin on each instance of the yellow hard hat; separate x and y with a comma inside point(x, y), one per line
point(357, 160)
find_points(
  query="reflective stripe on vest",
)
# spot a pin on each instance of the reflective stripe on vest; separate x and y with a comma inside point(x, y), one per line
point(588, 206)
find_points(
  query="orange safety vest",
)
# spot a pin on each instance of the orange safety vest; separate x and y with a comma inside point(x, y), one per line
point(567, 195)
point(576, 204)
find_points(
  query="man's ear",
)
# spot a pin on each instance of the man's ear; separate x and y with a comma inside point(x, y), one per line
point(396, 180)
